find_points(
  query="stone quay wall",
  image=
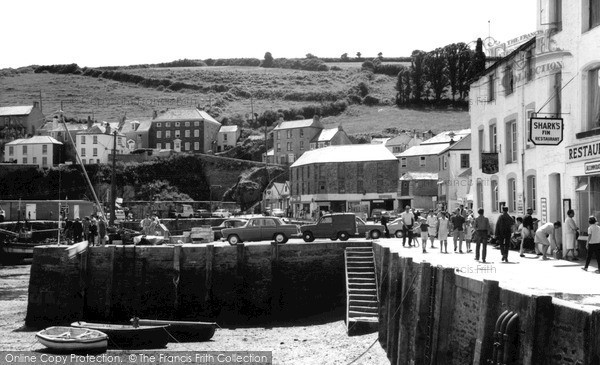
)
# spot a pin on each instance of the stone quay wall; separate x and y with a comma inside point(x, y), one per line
point(187, 282)
point(434, 315)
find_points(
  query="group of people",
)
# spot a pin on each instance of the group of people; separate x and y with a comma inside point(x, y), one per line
point(91, 228)
point(521, 232)
point(149, 224)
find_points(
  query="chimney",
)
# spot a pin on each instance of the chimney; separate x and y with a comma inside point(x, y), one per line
point(279, 121)
point(340, 128)
point(55, 122)
point(90, 123)
point(107, 128)
point(316, 118)
point(36, 104)
point(154, 114)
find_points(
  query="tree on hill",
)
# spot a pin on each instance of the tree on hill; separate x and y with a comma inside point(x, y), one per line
point(310, 55)
point(268, 61)
point(435, 72)
point(345, 57)
point(358, 54)
point(403, 86)
point(478, 64)
point(451, 53)
point(417, 74)
point(380, 56)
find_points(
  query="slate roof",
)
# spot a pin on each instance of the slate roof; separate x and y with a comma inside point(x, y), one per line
point(420, 176)
point(464, 144)
point(228, 129)
point(445, 138)
point(35, 140)
point(291, 124)
point(327, 134)
point(346, 153)
point(6, 111)
point(191, 114)
point(424, 150)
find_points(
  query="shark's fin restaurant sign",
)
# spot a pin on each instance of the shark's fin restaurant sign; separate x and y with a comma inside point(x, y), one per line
point(546, 131)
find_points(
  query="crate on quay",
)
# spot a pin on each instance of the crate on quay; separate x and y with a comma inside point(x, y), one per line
point(202, 234)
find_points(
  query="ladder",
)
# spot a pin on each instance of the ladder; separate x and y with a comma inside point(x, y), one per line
point(361, 291)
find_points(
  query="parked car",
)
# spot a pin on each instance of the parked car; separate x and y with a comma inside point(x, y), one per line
point(221, 213)
point(182, 211)
point(342, 226)
point(278, 212)
point(395, 228)
point(261, 229)
point(202, 213)
point(227, 223)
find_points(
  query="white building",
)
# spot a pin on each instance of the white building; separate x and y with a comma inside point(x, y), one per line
point(43, 151)
point(554, 75)
point(95, 144)
point(455, 175)
point(227, 137)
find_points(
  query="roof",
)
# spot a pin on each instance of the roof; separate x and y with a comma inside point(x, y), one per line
point(420, 176)
point(424, 150)
point(190, 114)
point(401, 139)
point(379, 140)
point(444, 137)
point(346, 153)
point(15, 110)
point(494, 66)
point(35, 140)
point(144, 126)
point(291, 124)
point(60, 127)
point(467, 173)
point(462, 145)
point(99, 129)
point(327, 134)
point(228, 129)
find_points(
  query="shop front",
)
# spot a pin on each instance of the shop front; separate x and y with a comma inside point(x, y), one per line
point(582, 190)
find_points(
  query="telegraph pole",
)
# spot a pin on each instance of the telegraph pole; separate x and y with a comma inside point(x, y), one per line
point(113, 187)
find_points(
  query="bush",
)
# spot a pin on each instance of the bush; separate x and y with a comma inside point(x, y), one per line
point(370, 100)
point(368, 65)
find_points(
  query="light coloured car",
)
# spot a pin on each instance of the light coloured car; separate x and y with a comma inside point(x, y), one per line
point(221, 213)
point(278, 212)
point(395, 227)
point(261, 229)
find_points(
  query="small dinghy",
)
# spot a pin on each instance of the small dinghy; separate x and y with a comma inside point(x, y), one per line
point(70, 339)
point(124, 336)
point(184, 330)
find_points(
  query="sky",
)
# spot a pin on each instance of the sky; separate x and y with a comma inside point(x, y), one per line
point(125, 32)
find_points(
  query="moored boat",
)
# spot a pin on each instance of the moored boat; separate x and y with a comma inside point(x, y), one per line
point(70, 339)
point(123, 336)
point(188, 331)
point(14, 251)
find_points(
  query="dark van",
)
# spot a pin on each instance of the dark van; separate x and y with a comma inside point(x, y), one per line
point(342, 226)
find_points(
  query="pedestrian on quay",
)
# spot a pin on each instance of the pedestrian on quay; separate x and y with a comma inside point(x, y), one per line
point(593, 244)
point(432, 226)
point(68, 230)
point(469, 230)
point(77, 230)
point(101, 231)
point(544, 233)
point(93, 230)
point(571, 234)
point(424, 227)
point(458, 229)
point(527, 232)
point(504, 230)
point(145, 224)
point(408, 220)
point(482, 228)
point(86, 228)
point(443, 227)
point(384, 222)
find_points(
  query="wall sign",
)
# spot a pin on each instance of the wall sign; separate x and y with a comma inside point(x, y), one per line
point(546, 131)
point(592, 167)
point(489, 163)
point(544, 210)
point(583, 152)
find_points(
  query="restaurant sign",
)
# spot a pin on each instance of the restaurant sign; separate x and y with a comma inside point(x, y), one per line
point(588, 151)
point(592, 167)
point(546, 131)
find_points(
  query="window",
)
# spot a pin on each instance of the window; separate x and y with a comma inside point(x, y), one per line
point(444, 162)
point(302, 145)
point(594, 99)
point(83, 152)
point(594, 13)
point(313, 146)
point(556, 14)
point(278, 147)
point(82, 139)
point(481, 146)
point(196, 146)
point(177, 133)
point(512, 194)
point(531, 197)
point(167, 146)
point(509, 81)
point(422, 161)
point(464, 161)
point(277, 135)
point(292, 158)
point(24, 160)
point(167, 125)
point(511, 142)
point(95, 140)
point(24, 150)
point(158, 125)
point(196, 133)
point(11, 150)
point(290, 134)
point(493, 138)
point(403, 162)
point(187, 146)
point(322, 186)
point(187, 132)
point(289, 146)
point(95, 152)
point(158, 134)
point(167, 134)
point(83, 161)
point(529, 113)
point(360, 187)
point(158, 146)
point(491, 88)
point(494, 185)
point(225, 137)
point(177, 124)
point(301, 132)
point(97, 160)
point(196, 124)
point(341, 186)
point(34, 160)
point(187, 124)
point(44, 161)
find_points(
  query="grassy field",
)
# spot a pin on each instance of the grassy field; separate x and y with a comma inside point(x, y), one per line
point(108, 100)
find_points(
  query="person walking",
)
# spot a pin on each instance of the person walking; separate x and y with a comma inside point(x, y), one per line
point(101, 231)
point(482, 228)
point(458, 229)
point(424, 227)
point(593, 244)
point(93, 231)
point(408, 220)
point(469, 230)
point(571, 232)
point(527, 232)
point(504, 229)
point(442, 231)
point(384, 222)
point(543, 234)
point(432, 226)
point(145, 224)
point(77, 230)
point(86, 228)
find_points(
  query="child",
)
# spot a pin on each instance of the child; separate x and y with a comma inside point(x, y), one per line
point(443, 228)
point(424, 233)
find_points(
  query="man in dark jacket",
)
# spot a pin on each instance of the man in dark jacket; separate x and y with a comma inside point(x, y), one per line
point(77, 230)
point(504, 228)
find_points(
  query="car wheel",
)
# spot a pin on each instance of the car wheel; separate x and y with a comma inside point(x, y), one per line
point(308, 236)
point(178, 215)
point(280, 238)
point(233, 239)
point(375, 234)
point(343, 236)
point(398, 234)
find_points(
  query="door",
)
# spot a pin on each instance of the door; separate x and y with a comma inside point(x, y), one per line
point(252, 231)
point(268, 229)
point(30, 211)
point(324, 228)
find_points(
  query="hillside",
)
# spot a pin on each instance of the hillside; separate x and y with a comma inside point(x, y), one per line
point(238, 91)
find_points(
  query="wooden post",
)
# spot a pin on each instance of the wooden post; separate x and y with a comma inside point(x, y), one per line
point(488, 314)
point(537, 324)
point(423, 300)
point(275, 292)
point(210, 254)
point(444, 307)
point(394, 293)
point(83, 281)
point(405, 313)
point(176, 275)
point(109, 282)
point(383, 296)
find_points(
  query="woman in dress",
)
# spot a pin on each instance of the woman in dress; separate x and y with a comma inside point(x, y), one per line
point(570, 235)
point(469, 230)
point(443, 228)
point(432, 226)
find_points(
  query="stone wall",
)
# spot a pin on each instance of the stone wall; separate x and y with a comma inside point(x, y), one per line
point(188, 282)
point(434, 315)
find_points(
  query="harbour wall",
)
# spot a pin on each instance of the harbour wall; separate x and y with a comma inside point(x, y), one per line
point(434, 315)
point(233, 284)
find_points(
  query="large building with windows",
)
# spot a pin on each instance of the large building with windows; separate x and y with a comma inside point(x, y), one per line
point(43, 151)
point(554, 75)
point(95, 144)
point(184, 130)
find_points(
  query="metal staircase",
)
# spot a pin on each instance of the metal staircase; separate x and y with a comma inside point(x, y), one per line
point(361, 291)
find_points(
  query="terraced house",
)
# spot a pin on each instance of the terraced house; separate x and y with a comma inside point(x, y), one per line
point(292, 138)
point(184, 130)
